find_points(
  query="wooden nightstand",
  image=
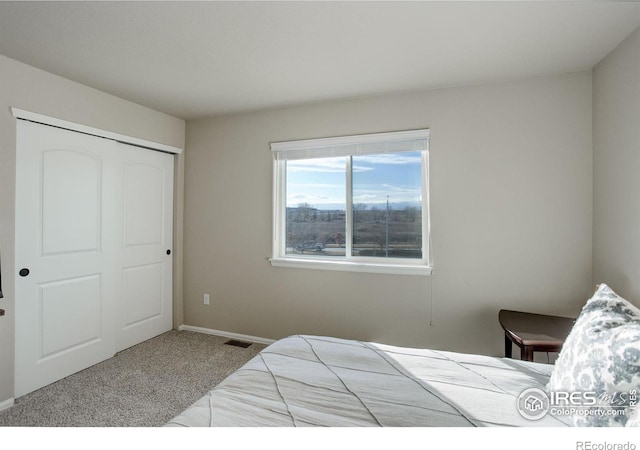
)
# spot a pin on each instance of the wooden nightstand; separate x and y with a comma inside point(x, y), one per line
point(533, 332)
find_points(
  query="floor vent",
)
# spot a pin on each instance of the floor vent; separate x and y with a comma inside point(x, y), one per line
point(238, 343)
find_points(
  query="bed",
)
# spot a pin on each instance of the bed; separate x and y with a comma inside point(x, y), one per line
point(307, 380)
point(325, 381)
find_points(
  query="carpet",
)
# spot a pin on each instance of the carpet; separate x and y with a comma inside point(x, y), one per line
point(143, 386)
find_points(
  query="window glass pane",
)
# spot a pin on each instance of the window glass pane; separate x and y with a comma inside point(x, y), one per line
point(316, 207)
point(387, 205)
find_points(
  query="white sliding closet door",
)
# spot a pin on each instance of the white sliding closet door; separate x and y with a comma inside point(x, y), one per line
point(146, 261)
point(65, 184)
point(93, 226)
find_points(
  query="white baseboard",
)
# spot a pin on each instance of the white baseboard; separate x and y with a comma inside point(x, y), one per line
point(6, 404)
point(241, 337)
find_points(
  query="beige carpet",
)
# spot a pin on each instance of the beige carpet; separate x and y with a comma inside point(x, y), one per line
point(143, 386)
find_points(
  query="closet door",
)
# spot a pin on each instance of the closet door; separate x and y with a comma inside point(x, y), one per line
point(146, 243)
point(65, 252)
point(94, 223)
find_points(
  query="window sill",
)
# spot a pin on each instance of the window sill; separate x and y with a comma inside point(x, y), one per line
point(351, 266)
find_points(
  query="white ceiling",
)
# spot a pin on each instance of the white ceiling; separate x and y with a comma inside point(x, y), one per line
point(194, 59)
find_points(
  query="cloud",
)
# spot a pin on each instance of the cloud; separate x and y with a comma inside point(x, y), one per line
point(361, 163)
point(379, 193)
point(294, 186)
point(356, 169)
point(390, 158)
point(323, 165)
point(403, 189)
point(365, 197)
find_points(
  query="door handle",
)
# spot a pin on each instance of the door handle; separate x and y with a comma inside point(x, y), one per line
point(24, 272)
point(168, 252)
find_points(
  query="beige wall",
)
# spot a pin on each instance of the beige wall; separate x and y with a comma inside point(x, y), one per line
point(31, 89)
point(511, 191)
point(511, 183)
point(616, 143)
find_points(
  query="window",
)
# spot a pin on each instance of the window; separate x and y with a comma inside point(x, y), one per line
point(353, 203)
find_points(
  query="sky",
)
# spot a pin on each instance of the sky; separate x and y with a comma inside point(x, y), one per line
point(321, 182)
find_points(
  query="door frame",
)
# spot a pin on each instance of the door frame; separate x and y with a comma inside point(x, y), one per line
point(72, 126)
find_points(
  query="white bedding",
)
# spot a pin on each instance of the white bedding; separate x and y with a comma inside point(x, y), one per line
point(323, 381)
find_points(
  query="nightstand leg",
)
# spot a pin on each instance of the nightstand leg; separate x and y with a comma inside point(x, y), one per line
point(508, 346)
point(527, 353)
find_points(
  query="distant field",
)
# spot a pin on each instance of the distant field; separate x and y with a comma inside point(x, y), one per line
point(312, 231)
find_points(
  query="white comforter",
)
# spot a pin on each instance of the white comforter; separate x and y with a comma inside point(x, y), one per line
point(323, 381)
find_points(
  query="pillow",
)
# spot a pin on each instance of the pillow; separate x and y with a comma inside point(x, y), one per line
point(634, 419)
point(601, 356)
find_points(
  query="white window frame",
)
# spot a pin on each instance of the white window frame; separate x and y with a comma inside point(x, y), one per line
point(348, 146)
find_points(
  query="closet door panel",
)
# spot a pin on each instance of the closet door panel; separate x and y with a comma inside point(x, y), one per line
point(143, 202)
point(71, 201)
point(142, 293)
point(59, 304)
point(147, 234)
point(65, 302)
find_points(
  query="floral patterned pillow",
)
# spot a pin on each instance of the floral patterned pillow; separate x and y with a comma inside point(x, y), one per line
point(601, 356)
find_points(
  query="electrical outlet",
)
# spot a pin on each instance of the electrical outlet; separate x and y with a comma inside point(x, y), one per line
point(206, 299)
